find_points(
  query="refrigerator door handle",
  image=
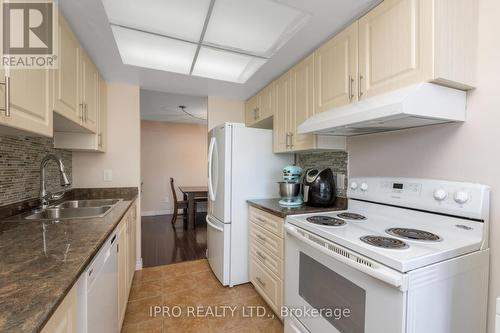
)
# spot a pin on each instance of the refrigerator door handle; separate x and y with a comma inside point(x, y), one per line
point(213, 225)
point(211, 193)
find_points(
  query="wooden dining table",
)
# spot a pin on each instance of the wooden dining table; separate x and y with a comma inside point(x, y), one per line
point(191, 193)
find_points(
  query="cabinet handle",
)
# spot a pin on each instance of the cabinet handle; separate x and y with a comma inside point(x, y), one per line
point(99, 139)
point(262, 283)
point(86, 112)
point(351, 94)
point(291, 140)
point(6, 83)
point(360, 93)
point(81, 111)
point(261, 256)
point(287, 144)
point(258, 113)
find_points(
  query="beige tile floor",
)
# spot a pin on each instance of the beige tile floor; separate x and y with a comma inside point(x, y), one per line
point(201, 300)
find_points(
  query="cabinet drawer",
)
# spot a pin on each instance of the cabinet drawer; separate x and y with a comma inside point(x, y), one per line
point(272, 243)
point(274, 264)
point(267, 221)
point(269, 287)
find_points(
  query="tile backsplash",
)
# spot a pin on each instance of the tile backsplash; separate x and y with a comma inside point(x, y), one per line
point(20, 158)
point(337, 161)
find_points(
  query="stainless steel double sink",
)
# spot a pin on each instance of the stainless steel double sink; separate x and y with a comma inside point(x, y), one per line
point(72, 209)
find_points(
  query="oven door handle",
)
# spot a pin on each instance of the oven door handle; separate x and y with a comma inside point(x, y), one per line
point(381, 273)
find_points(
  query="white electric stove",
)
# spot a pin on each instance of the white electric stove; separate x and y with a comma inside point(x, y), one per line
point(409, 255)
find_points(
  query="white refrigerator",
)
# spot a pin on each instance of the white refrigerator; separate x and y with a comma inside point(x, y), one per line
point(241, 166)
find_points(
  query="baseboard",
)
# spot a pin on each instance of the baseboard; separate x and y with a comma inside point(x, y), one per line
point(138, 264)
point(157, 212)
point(166, 212)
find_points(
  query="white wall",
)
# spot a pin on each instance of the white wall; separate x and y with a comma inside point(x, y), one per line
point(123, 148)
point(466, 152)
point(221, 110)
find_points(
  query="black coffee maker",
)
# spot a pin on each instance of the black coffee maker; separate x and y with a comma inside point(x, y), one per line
point(319, 188)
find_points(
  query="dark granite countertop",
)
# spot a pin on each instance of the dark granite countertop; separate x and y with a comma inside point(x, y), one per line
point(40, 262)
point(272, 206)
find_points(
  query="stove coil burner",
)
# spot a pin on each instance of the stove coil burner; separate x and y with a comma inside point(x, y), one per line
point(351, 216)
point(326, 221)
point(385, 242)
point(414, 234)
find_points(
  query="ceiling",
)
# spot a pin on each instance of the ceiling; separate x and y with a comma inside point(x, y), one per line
point(90, 23)
point(161, 106)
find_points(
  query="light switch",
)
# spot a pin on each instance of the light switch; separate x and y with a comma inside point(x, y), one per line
point(108, 175)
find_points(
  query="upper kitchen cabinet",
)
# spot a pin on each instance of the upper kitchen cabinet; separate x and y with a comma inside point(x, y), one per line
point(76, 86)
point(251, 110)
point(260, 108)
point(403, 42)
point(26, 102)
point(67, 75)
point(89, 91)
point(80, 141)
point(302, 104)
point(282, 113)
point(102, 138)
point(336, 70)
point(302, 107)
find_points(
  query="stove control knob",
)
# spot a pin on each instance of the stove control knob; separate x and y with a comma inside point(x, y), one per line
point(461, 197)
point(364, 187)
point(440, 194)
point(354, 186)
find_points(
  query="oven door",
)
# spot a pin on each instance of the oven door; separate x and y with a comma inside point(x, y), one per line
point(331, 289)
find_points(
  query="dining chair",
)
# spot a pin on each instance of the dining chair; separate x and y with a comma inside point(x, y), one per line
point(178, 204)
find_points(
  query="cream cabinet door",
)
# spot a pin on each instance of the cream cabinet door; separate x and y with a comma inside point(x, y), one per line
point(89, 92)
point(252, 110)
point(131, 245)
point(303, 102)
point(67, 76)
point(395, 46)
point(266, 108)
point(64, 319)
point(102, 138)
point(336, 67)
point(122, 270)
point(283, 112)
point(30, 101)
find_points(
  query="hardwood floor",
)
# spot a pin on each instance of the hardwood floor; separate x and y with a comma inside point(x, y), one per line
point(163, 244)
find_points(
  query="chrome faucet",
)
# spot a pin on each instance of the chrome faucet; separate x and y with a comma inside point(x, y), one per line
point(45, 196)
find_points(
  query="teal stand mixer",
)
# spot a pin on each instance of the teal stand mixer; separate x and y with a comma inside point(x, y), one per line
point(291, 186)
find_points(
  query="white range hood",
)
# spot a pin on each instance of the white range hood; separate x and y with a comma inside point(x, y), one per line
point(419, 105)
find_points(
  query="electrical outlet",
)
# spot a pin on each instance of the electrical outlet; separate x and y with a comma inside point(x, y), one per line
point(108, 175)
point(340, 181)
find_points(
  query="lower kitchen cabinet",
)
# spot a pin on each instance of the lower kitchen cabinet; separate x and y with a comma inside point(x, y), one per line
point(122, 269)
point(65, 318)
point(126, 260)
point(71, 314)
point(29, 108)
point(267, 256)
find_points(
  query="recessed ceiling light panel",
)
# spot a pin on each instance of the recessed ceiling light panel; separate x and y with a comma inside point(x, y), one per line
point(225, 65)
point(152, 51)
point(258, 27)
point(182, 19)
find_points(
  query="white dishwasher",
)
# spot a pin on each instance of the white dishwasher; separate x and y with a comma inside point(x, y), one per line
point(102, 289)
